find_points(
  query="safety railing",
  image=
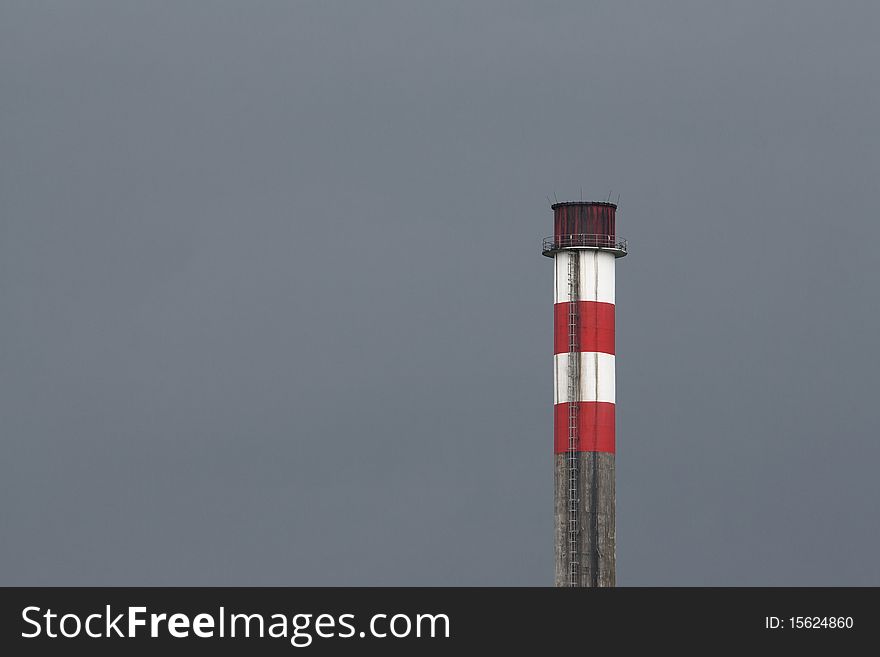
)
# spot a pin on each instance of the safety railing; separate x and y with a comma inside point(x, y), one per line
point(605, 242)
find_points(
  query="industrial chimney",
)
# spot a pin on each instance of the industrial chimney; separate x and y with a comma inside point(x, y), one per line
point(584, 248)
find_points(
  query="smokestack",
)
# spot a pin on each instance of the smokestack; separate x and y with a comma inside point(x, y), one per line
point(584, 248)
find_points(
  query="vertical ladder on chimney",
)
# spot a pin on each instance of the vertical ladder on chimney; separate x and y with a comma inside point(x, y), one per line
point(574, 376)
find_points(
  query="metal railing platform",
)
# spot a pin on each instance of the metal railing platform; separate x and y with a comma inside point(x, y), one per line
point(611, 243)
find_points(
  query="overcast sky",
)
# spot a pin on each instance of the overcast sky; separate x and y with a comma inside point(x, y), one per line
point(273, 309)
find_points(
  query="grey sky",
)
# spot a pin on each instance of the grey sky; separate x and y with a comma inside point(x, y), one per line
point(273, 309)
